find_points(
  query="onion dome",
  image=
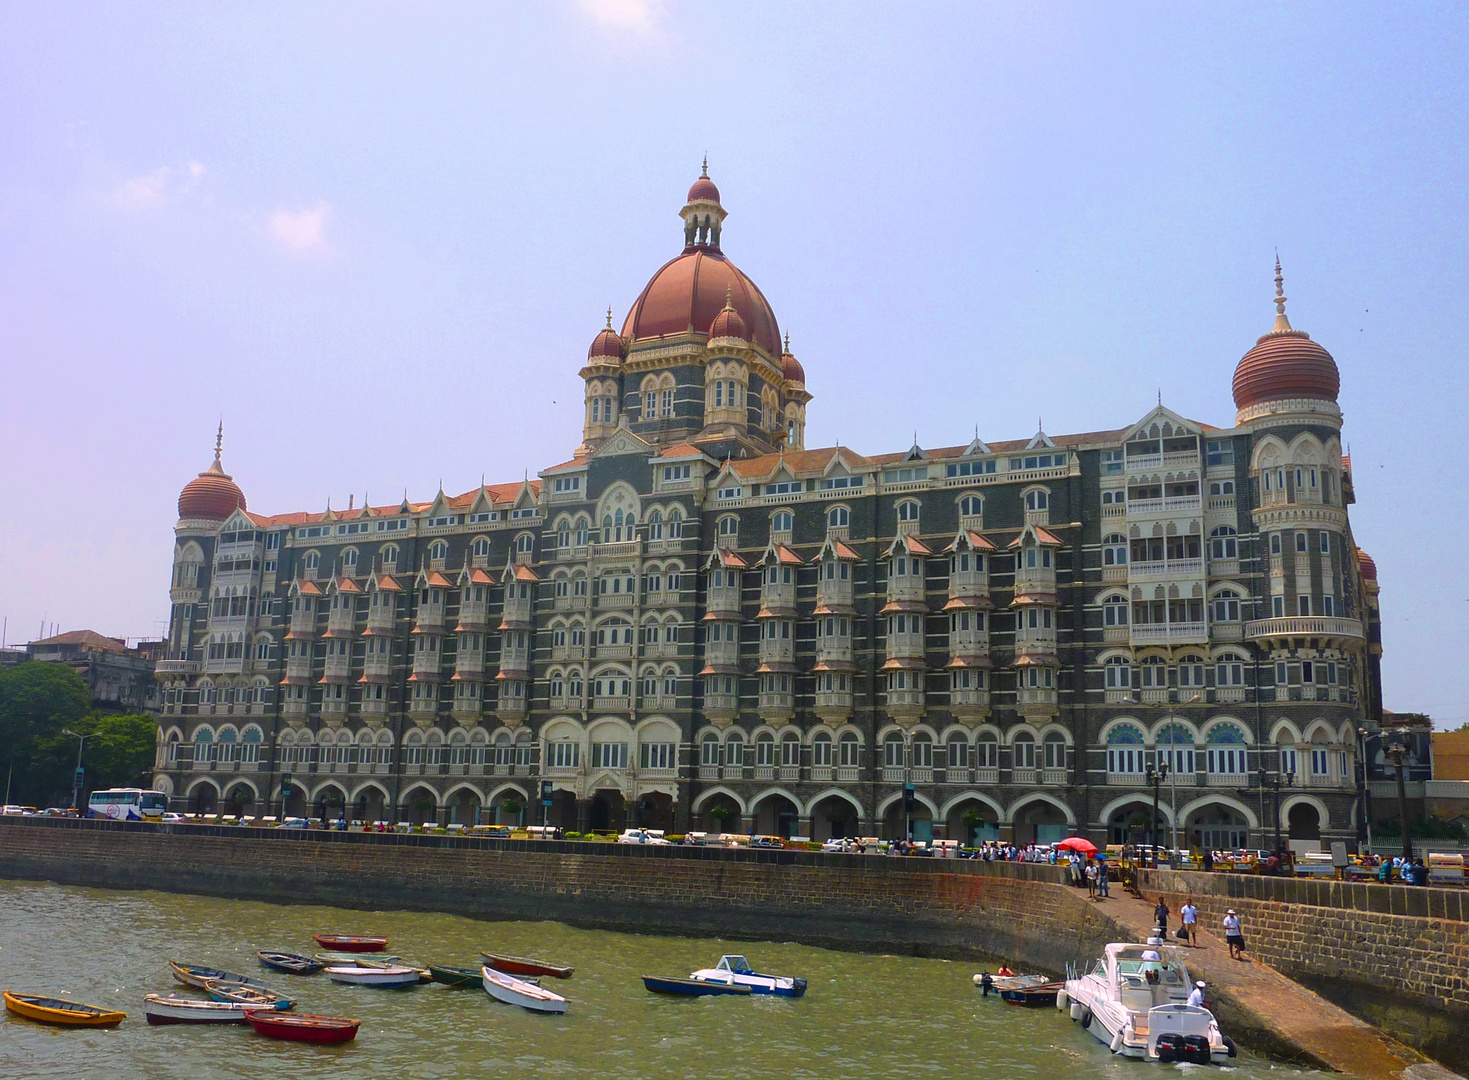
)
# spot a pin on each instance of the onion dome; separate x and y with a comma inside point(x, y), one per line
point(1285, 364)
point(704, 189)
point(728, 324)
point(790, 367)
point(606, 346)
point(213, 494)
point(1365, 566)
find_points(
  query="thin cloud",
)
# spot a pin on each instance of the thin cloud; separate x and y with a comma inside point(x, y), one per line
point(301, 233)
point(151, 189)
point(624, 14)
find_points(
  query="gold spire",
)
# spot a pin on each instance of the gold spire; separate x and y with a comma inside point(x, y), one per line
point(788, 342)
point(609, 316)
point(217, 467)
point(704, 173)
point(1281, 322)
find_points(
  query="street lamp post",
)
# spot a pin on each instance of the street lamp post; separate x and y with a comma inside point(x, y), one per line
point(76, 777)
point(1156, 775)
point(1398, 753)
point(1274, 778)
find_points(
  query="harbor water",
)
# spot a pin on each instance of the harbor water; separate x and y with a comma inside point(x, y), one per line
point(864, 1015)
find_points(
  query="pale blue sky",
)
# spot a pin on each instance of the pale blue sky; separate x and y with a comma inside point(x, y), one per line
point(378, 238)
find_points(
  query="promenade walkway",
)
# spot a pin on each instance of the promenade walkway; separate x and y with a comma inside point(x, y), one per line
point(1330, 1035)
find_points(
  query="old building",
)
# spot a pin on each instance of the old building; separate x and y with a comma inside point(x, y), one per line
point(699, 622)
point(119, 677)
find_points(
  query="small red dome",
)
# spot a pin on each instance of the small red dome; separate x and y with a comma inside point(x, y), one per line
point(1366, 566)
point(791, 368)
point(728, 324)
point(605, 346)
point(1285, 364)
point(210, 496)
point(704, 190)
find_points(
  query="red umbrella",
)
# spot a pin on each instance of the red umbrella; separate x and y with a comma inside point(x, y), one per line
point(1079, 844)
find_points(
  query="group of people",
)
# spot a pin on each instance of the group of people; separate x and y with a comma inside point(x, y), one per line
point(1408, 871)
point(1188, 931)
point(1094, 874)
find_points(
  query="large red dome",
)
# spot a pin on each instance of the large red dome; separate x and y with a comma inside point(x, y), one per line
point(689, 292)
point(1366, 566)
point(211, 496)
point(1285, 364)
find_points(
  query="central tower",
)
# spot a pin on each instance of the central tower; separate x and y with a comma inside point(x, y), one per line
point(700, 356)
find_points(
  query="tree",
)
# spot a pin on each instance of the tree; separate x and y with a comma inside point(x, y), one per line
point(119, 752)
point(37, 700)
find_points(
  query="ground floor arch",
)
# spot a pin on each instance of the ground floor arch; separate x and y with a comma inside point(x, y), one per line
point(203, 797)
point(1040, 819)
point(834, 815)
point(1130, 820)
point(240, 799)
point(463, 806)
point(1305, 818)
point(607, 811)
point(370, 803)
point(1219, 824)
point(329, 802)
point(903, 822)
point(420, 805)
point(653, 810)
point(719, 810)
point(775, 813)
point(972, 818)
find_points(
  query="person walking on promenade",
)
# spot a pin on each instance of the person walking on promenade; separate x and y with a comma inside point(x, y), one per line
point(1102, 893)
point(1091, 880)
point(1208, 861)
point(1190, 916)
point(1160, 916)
point(1233, 935)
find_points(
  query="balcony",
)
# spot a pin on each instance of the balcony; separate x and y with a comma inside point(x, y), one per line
point(833, 704)
point(780, 597)
point(426, 664)
point(722, 653)
point(517, 609)
point(734, 772)
point(1036, 702)
point(721, 706)
point(1303, 626)
point(1188, 631)
point(777, 704)
point(571, 602)
point(956, 774)
point(511, 707)
point(1132, 780)
point(298, 668)
point(165, 668)
point(725, 598)
point(969, 584)
point(374, 710)
point(1035, 581)
point(708, 772)
point(894, 774)
point(430, 619)
point(1024, 776)
point(764, 772)
point(1173, 568)
point(1233, 780)
point(835, 594)
point(624, 549)
point(777, 651)
point(1053, 777)
point(1229, 694)
point(615, 601)
point(822, 774)
point(904, 704)
point(338, 667)
point(303, 621)
point(969, 703)
point(610, 703)
point(611, 652)
point(905, 646)
point(474, 615)
point(989, 774)
point(470, 666)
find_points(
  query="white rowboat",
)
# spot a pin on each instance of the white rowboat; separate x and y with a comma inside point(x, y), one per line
point(513, 991)
point(374, 976)
point(171, 1009)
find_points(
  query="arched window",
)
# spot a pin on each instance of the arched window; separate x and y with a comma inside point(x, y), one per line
point(390, 555)
point(1191, 672)
point(848, 750)
point(790, 750)
point(1039, 499)
point(1114, 550)
point(709, 750)
point(1176, 748)
point(821, 750)
point(1155, 673)
point(838, 517)
point(524, 543)
point(1223, 543)
point(764, 749)
point(922, 751)
point(311, 561)
point(734, 750)
point(729, 527)
point(1119, 673)
point(782, 522)
point(893, 751)
point(971, 506)
point(1055, 750)
point(1023, 750)
point(1227, 754)
point(908, 511)
point(987, 750)
point(438, 551)
point(655, 526)
point(583, 531)
point(1114, 611)
point(1226, 606)
point(482, 546)
point(1125, 751)
point(349, 561)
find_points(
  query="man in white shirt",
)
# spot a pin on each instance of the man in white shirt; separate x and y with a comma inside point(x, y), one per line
point(1196, 995)
point(1234, 935)
point(1190, 916)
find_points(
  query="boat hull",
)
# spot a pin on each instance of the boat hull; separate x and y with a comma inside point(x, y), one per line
point(693, 987)
point(388, 977)
point(58, 1011)
point(457, 977)
point(302, 1027)
point(196, 976)
point(525, 965)
point(353, 943)
point(1109, 1025)
point(774, 985)
point(159, 1009)
point(1033, 997)
point(512, 991)
point(290, 963)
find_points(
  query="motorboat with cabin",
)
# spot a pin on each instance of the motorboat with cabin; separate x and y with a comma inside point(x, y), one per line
point(1135, 1001)
point(736, 971)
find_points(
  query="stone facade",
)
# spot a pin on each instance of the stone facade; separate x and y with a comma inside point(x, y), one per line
point(698, 622)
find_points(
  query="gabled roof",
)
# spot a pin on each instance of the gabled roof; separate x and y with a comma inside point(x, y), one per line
point(525, 573)
point(911, 545)
point(975, 541)
point(838, 549)
point(681, 450)
point(87, 639)
point(1040, 535)
point(783, 555)
point(727, 558)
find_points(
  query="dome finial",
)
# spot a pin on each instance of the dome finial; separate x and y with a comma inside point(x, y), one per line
point(219, 440)
point(1281, 322)
point(704, 172)
point(609, 316)
point(729, 298)
point(788, 342)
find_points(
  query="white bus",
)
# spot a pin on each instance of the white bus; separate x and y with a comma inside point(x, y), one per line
point(127, 804)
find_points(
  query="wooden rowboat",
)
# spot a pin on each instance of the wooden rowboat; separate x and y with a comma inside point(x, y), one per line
point(354, 943)
point(524, 965)
point(1033, 996)
point(196, 976)
point(692, 987)
point(290, 963)
point(302, 1027)
point(329, 956)
point(50, 1010)
point(172, 1009)
point(513, 991)
point(374, 976)
point(255, 996)
point(457, 977)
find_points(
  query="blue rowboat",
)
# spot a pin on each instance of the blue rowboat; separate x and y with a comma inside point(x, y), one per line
point(290, 963)
point(693, 987)
point(196, 976)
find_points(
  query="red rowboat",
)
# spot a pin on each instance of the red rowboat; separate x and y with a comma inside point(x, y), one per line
point(351, 942)
point(524, 965)
point(302, 1027)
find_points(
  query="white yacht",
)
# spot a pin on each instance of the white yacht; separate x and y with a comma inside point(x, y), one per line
point(1135, 1000)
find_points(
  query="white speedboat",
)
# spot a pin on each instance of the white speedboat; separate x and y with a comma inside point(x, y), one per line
point(736, 971)
point(1135, 1001)
point(374, 976)
point(527, 995)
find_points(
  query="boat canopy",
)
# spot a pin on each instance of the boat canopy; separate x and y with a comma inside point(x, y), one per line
point(737, 965)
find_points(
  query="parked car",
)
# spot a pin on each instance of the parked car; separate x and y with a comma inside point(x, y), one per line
point(294, 823)
point(642, 836)
point(170, 818)
point(766, 842)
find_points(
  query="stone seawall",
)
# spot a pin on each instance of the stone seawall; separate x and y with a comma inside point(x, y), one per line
point(1396, 955)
